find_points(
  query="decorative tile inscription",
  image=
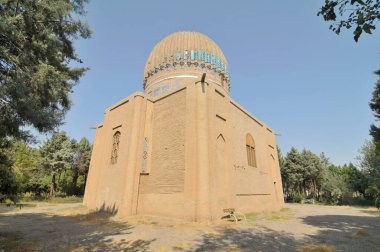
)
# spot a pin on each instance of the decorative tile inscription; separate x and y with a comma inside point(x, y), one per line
point(145, 156)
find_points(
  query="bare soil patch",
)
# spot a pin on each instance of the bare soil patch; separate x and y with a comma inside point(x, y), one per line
point(72, 227)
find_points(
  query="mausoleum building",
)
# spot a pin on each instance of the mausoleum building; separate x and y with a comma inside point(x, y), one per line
point(184, 148)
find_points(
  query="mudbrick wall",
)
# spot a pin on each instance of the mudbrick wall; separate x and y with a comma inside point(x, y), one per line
point(168, 146)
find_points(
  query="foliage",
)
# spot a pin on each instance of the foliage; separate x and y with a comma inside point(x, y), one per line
point(333, 185)
point(355, 179)
point(25, 163)
point(307, 175)
point(302, 172)
point(312, 171)
point(369, 162)
point(292, 171)
point(296, 197)
point(57, 156)
point(8, 182)
point(80, 166)
point(375, 107)
point(58, 168)
point(377, 203)
point(363, 15)
point(36, 55)
point(9, 185)
point(38, 70)
point(370, 153)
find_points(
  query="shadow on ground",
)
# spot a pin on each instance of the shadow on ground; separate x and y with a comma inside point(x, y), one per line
point(346, 232)
point(47, 231)
point(81, 232)
point(231, 239)
point(4, 208)
point(371, 212)
point(336, 233)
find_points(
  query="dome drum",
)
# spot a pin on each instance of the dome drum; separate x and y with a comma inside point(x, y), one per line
point(173, 54)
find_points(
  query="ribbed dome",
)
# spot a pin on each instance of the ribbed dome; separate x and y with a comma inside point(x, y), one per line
point(185, 47)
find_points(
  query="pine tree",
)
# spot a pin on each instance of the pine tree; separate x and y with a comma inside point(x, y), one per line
point(25, 163)
point(312, 171)
point(292, 171)
point(81, 162)
point(375, 107)
point(36, 55)
point(57, 154)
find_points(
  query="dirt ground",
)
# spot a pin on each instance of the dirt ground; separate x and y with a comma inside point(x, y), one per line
point(72, 227)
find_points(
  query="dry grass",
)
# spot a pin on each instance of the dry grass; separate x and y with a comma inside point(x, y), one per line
point(13, 241)
point(372, 211)
point(145, 220)
point(184, 245)
point(9, 241)
point(4, 208)
point(93, 217)
point(68, 199)
point(156, 221)
point(277, 217)
point(321, 247)
point(252, 216)
point(360, 233)
point(282, 215)
point(77, 210)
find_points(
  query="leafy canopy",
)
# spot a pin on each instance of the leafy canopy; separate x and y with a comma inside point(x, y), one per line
point(57, 153)
point(363, 15)
point(57, 156)
point(375, 107)
point(36, 62)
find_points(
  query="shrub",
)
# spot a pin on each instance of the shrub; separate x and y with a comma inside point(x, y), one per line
point(67, 199)
point(296, 198)
point(377, 203)
point(14, 198)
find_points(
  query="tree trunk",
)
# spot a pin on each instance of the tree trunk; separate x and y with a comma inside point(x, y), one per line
point(315, 187)
point(74, 181)
point(304, 187)
point(53, 185)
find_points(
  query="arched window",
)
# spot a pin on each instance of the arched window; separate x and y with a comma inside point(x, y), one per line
point(251, 153)
point(115, 147)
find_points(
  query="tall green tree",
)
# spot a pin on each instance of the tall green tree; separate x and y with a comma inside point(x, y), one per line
point(36, 62)
point(57, 157)
point(292, 172)
point(81, 163)
point(333, 185)
point(312, 169)
point(362, 15)
point(25, 163)
point(369, 162)
point(375, 107)
point(354, 178)
point(9, 185)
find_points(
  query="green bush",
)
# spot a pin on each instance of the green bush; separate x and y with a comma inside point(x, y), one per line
point(14, 198)
point(377, 203)
point(357, 201)
point(58, 198)
point(67, 199)
point(296, 198)
point(372, 192)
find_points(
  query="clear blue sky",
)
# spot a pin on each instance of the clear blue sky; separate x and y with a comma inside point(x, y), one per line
point(286, 66)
